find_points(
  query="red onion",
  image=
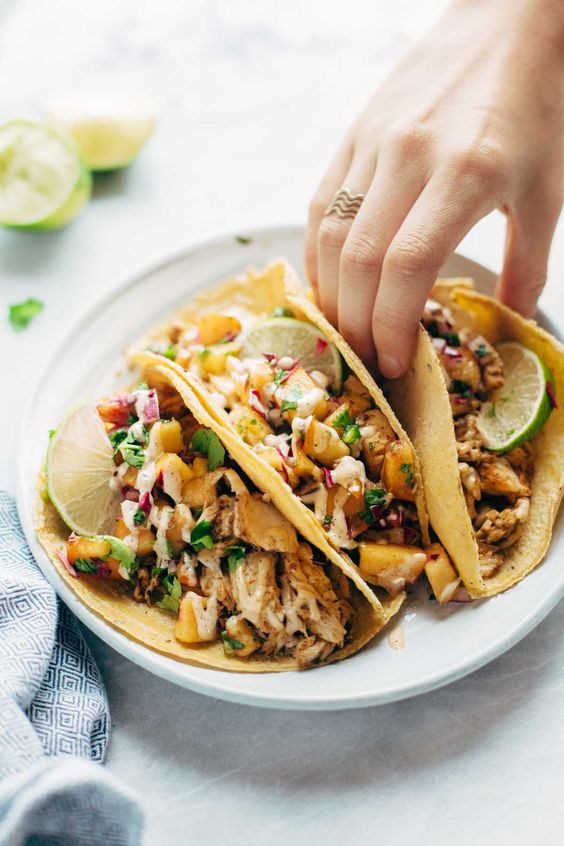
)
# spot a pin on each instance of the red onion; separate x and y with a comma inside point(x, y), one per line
point(145, 503)
point(376, 511)
point(461, 595)
point(130, 493)
point(102, 569)
point(62, 556)
point(149, 411)
point(271, 357)
point(433, 556)
point(321, 346)
point(328, 478)
point(439, 344)
point(284, 473)
point(551, 394)
point(349, 526)
point(256, 404)
point(283, 455)
point(452, 352)
point(460, 400)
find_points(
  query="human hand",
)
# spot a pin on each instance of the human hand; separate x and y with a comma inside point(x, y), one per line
point(470, 120)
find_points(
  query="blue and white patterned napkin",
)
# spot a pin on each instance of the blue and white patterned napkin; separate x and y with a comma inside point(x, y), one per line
point(54, 717)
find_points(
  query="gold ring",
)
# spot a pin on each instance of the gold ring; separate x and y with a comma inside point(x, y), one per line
point(345, 204)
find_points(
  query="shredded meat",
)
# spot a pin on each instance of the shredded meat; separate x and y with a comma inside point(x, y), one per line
point(494, 526)
point(145, 584)
point(470, 480)
point(259, 523)
point(498, 478)
point(492, 370)
point(223, 523)
point(256, 592)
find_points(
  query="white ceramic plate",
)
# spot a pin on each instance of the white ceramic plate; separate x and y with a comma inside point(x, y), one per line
point(441, 644)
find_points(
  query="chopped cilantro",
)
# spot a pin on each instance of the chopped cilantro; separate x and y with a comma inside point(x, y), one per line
point(288, 405)
point(451, 338)
point(282, 311)
point(481, 350)
point(235, 556)
point(122, 553)
point(373, 497)
point(343, 419)
point(116, 439)
point(203, 354)
point(170, 352)
point(132, 451)
point(201, 535)
point(171, 600)
point(229, 644)
point(139, 517)
point(493, 411)
point(351, 434)
point(253, 421)
point(132, 418)
point(85, 565)
point(459, 387)
point(140, 386)
point(279, 375)
point(243, 239)
point(328, 519)
point(21, 314)
point(407, 470)
point(206, 441)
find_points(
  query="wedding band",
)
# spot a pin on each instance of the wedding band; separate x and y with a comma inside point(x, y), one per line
point(345, 204)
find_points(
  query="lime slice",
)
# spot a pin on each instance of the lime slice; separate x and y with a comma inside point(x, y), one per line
point(521, 407)
point(109, 127)
point(286, 336)
point(43, 183)
point(80, 467)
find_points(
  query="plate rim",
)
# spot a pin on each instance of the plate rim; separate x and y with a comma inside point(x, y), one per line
point(167, 667)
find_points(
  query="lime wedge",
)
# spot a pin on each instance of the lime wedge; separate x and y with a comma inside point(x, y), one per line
point(521, 407)
point(286, 336)
point(108, 127)
point(80, 467)
point(43, 183)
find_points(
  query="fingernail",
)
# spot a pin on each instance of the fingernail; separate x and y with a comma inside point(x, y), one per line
point(389, 365)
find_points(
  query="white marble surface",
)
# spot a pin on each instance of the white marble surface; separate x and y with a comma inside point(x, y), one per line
point(253, 96)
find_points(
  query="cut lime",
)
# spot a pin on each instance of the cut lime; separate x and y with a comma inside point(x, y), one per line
point(43, 183)
point(80, 467)
point(286, 336)
point(521, 407)
point(109, 127)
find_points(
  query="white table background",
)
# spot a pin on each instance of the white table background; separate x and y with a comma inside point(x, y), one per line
point(253, 97)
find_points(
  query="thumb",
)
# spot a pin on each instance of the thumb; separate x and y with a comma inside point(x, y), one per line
point(527, 247)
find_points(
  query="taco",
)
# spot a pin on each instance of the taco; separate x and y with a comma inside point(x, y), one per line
point(270, 369)
point(185, 554)
point(479, 402)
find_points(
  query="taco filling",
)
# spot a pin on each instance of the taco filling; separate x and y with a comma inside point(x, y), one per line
point(497, 487)
point(326, 438)
point(193, 537)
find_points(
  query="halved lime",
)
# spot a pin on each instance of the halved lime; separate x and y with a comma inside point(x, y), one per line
point(43, 182)
point(79, 468)
point(109, 127)
point(286, 336)
point(521, 407)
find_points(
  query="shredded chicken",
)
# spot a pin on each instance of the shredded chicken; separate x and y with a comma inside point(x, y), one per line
point(256, 592)
point(470, 480)
point(145, 584)
point(498, 478)
point(494, 526)
point(492, 370)
point(259, 523)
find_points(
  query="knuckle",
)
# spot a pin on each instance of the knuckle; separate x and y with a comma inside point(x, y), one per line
point(389, 321)
point(332, 233)
point(411, 255)
point(316, 208)
point(409, 139)
point(483, 163)
point(360, 255)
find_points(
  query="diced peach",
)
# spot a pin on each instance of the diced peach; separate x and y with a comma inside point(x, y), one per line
point(214, 327)
point(340, 418)
point(443, 578)
point(145, 537)
point(251, 426)
point(112, 411)
point(197, 493)
point(87, 548)
point(130, 477)
point(199, 467)
point(374, 445)
point(357, 395)
point(398, 470)
point(260, 375)
point(391, 565)
point(171, 436)
point(172, 473)
point(323, 444)
point(186, 627)
point(296, 387)
point(239, 630)
point(303, 467)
